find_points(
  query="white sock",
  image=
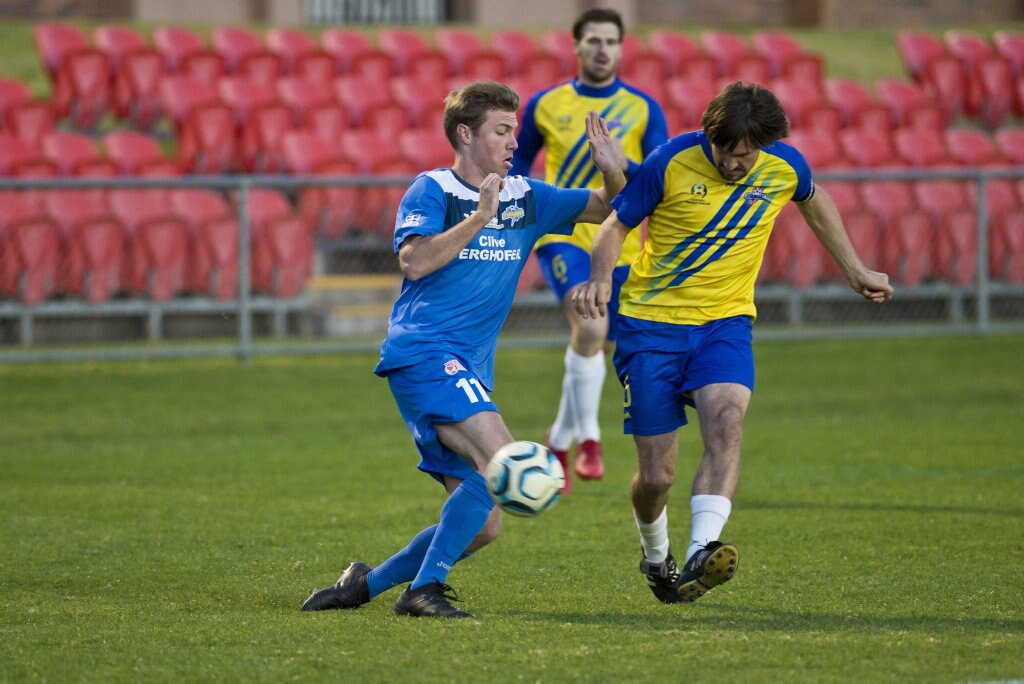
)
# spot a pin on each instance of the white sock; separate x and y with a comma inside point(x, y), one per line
point(587, 375)
point(563, 431)
point(654, 536)
point(710, 513)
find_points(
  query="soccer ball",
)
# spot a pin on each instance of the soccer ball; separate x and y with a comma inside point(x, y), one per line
point(525, 478)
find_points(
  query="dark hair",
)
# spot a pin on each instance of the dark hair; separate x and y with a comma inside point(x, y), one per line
point(597, 16)
point(744, 112)
point(469, 105)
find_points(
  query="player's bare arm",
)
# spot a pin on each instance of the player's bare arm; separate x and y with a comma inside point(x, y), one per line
point(823, 217)
point(420, 256)
point(590, 299)
point(606, 152)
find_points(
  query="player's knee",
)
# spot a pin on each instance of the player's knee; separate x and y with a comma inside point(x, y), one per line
point(657, 480)
point(490, 531)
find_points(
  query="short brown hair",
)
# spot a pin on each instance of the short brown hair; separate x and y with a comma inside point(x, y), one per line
point(597, 16)
point(744, 112)
point(470, 104)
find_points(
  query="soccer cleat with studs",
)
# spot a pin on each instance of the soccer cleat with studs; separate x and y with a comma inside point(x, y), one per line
point(589, 465)
point(710, 566)
point(661, 578)
point(430, 600)
point(350, 591)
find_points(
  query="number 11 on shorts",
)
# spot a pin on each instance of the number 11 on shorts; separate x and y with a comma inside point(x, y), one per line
point(467, 385)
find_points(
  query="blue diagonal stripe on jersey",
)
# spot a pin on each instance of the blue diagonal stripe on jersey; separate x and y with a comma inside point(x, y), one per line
point(586, 164)
point(684, 270)
point(565, 175)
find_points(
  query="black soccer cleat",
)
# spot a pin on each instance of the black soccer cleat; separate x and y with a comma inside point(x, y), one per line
point(715, 564)
point(430, 600)
point(661, 578)
point(349, 592)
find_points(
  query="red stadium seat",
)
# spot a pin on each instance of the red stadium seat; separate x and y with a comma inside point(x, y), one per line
point(865, 231)
point(855, 103)
point(918, 50)
point(674, 48)
point(908, 247)
point(514, 46)
point(94, 241)
point(562, 46)
point(542, 69)
point(213, 262)
point(21, 159)
point(1010, 142)
point(458, 46)
point(82, 92)
point(29, 250)
point(733, 55)
point(181, 94)
point(372, 66)
point(295, 48)
point(956, 247)
point(431, 66)
point(946, 80)
point(305, 152)
point(177, 44)
point(261, 141)
point(995, 80)
point(643, 67)
point(245, 96)
point(369, 150)
point(941, 197)
point(485, 66)
point(332, 211)
point(971, 147)
point(402, 46)
point(30, 121)
point(888, 199)
point(867, 150)
point(13, 92)
point(820, 150)
point(118, 42)
point(236, 45)
point(379, 205)
point(70, 151)
point(531, 279)
point(910, 104)
point(426, 149)
point(135, 153)
point(1006, 257)
point(156, 244)
point(798, 98)
point(302, 96)
point(632, 47)
point(344, 45)
point(207, 140)
point(137, 88)
point(281, 245)
point(691, 97)
point(786, 57)
point(921, 147)
point(417, 96)
point(804, 260)
point(971, 49)
point(845, 194)
point(329, 123)
point(359, 96)
point(1010, 46)
point(56, 41)
point(204, 66)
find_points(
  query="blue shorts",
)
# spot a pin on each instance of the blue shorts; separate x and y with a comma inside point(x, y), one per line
point(659, 364)
point(438, 390)
point(565, 265)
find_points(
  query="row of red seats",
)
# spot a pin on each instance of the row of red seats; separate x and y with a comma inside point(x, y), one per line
point(96, 245)
point(966, 73)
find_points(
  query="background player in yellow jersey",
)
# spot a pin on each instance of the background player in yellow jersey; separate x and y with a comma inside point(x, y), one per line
point(687, 308)
point(553, 119)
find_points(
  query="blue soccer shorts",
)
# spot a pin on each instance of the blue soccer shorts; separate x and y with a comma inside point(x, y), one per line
point(565, 265)
point(438, 390)
point(660, 364)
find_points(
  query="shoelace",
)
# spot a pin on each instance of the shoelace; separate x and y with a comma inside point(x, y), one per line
point(449, 593)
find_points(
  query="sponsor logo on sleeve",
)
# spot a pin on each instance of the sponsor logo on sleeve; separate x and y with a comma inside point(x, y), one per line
point(453, 366)
point(413, 220)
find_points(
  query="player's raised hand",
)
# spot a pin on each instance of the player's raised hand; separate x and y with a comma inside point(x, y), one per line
point(605, 149)
point(490, 189)
point(590, 299)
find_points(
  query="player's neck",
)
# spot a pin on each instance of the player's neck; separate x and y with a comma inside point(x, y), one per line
point(590, 83)
point(468, 171)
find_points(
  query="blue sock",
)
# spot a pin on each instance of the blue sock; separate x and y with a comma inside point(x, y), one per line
point(403, 566)
point(462, 517)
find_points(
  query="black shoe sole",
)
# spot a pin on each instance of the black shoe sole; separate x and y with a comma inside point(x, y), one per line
point(719, 568)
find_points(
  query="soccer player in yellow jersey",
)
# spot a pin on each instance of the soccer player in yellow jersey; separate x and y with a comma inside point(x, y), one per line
point(687, 308)
point(553, 119)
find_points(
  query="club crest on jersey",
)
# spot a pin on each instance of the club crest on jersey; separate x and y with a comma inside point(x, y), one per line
point(453, 366)
point(564, 122)
point(698, 191)
point(512, 213)
point(755, 195)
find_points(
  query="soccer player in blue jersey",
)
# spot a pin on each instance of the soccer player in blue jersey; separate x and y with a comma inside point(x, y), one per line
point(462, 236)
point(687, 308)
point(553, 119)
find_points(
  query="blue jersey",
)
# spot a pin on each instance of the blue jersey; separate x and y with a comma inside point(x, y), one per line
point(461, 307)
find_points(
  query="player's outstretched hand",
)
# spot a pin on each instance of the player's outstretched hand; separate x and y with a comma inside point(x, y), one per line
point(490, 189)
point(605, 150)
point(873, 286)
point(590, 299)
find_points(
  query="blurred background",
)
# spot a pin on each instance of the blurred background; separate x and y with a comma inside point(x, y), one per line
point(221, 177)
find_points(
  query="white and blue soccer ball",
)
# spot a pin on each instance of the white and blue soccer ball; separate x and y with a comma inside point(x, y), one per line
point(525, 478)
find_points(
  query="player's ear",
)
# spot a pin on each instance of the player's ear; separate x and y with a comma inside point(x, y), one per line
point(464, 133)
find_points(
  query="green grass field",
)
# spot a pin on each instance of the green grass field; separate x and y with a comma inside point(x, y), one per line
point(163, 521)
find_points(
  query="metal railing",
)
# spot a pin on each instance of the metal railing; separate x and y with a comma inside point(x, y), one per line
point(246, 303)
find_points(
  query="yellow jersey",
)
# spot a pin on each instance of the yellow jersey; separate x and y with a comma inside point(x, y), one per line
point(554, 119)
point(706, 236)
